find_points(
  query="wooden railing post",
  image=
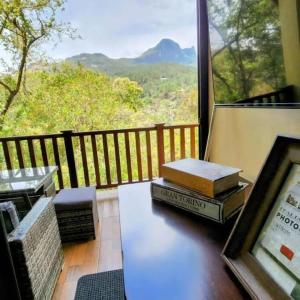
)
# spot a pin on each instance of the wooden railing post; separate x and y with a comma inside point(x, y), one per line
point(6, 155)
point(160, 145)
point(67, 135)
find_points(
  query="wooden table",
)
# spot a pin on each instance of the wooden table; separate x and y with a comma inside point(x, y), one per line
point(169, 254)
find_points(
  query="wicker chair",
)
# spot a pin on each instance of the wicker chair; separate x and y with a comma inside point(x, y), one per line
point(36, 250)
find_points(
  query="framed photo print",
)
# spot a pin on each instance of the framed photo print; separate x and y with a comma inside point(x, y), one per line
point(263, 249)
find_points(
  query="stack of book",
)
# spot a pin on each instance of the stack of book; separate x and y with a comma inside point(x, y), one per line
point(207, 189)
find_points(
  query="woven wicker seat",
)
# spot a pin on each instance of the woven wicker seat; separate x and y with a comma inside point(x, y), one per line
point(36, 250)
point(76, 211)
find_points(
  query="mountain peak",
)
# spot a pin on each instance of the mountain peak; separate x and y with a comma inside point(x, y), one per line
point(168, 51)
point(167, 43)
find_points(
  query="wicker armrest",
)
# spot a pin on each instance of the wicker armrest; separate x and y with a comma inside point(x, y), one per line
point(36, 250)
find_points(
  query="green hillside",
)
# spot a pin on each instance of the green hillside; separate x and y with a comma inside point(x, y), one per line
point(100, 62)
point(159, 80)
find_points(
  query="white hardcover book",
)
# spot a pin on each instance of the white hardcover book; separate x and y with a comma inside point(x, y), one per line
point(218, 209)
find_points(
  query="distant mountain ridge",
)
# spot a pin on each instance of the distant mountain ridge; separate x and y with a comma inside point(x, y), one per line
point(166, 51)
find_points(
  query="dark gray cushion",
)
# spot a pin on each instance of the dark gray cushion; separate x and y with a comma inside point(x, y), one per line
point(75, 198)
point(10, 216)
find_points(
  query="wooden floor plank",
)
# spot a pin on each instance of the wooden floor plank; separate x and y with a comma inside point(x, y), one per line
point(109, 209)
point(68, 291)
point(102, 254)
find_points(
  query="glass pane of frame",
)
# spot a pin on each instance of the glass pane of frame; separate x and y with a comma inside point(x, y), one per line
point(278, 245)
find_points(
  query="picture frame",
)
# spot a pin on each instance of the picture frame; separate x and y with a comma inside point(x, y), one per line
point(263, 249)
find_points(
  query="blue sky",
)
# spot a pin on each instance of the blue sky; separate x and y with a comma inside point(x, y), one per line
point(125, 28)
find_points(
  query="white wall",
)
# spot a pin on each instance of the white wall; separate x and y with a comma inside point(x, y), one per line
point(242, 137)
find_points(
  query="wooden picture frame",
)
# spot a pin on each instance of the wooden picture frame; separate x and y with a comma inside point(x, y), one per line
point(256, 224)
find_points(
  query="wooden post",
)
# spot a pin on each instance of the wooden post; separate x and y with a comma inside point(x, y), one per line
point(7, 155)
point(203, 71)
point(67, 135)
point(160, 145)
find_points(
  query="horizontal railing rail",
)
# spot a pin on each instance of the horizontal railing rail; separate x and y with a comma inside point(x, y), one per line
point(103, 158)
point(283, 95)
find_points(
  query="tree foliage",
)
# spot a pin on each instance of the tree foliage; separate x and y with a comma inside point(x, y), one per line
point(72, 97)
point(24, 25)
point(67, 97)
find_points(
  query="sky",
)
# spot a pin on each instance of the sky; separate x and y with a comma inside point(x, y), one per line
point(125, 28)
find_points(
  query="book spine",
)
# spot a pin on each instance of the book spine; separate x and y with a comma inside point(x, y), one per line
point(236, 200)
point(201, 207)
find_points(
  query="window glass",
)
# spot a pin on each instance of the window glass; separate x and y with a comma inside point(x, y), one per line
point(247, 52)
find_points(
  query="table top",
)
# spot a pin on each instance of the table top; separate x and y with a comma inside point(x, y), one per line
point(28, 179)
point(171, 254)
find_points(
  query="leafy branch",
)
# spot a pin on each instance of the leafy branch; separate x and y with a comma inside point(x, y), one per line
point(23, 26)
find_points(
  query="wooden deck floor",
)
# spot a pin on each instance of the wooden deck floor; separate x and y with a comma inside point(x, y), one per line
point(94, 256)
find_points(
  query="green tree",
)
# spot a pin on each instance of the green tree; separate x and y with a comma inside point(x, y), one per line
point(128, 92)
point(24, 25)
point(187, 111)
point(68, 97)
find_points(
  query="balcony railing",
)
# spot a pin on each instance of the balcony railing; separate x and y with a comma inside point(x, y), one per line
point(106, 158)
point(283, 95)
